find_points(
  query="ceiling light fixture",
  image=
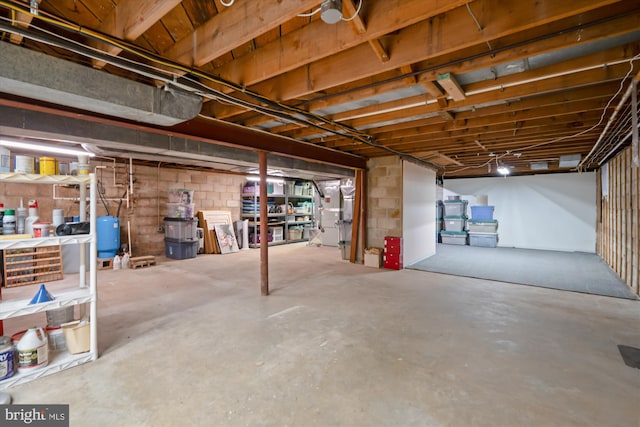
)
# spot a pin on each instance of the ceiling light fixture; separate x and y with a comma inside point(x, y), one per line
point(44, 148)
point(503, 170)
point(331, 11)
point(269, 179)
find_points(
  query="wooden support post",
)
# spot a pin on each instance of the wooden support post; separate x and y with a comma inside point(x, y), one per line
point(363, 214)
point(355, 225)
point(264, 226)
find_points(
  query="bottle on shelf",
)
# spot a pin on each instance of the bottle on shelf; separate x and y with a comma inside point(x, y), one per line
point(1, 216)
point(20, 218)
point(9, 222)
point(33, 217)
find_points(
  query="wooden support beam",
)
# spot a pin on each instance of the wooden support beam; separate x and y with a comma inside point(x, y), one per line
point(379, 50)
point(128, 20)
point(232, 28)
point(446, 115)
point(410, 79)
point(22, 20)
point(356, 22)
point(264, 225)
point(355, 224)
point(448, 82)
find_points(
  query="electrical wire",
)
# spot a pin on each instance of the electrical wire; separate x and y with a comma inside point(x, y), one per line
point(355, 14)
point(305, 15)
point(555, 140)
point(276, 107)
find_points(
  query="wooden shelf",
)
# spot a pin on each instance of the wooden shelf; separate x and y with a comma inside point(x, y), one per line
point(29, 266)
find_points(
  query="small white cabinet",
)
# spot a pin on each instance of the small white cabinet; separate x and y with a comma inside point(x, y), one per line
point(83, 293)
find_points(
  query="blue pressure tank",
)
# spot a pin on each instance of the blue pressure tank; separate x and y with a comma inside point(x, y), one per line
point(108, 236)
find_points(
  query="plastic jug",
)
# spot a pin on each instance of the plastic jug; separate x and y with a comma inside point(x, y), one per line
point(33, 350)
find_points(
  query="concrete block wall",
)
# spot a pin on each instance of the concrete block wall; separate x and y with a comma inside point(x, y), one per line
point(384, 199)
point(148, 204)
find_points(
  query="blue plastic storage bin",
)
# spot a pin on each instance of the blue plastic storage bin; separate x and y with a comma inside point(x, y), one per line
point(482, 213)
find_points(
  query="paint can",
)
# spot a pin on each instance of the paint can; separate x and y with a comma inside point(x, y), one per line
point(7, 368)
point(33, 350)
point(41, 229)
point(24, 164)
point(48, 166)
point(83, 165)
point(5, 160)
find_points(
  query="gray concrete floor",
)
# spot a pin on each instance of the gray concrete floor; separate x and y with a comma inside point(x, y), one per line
point(192, 342)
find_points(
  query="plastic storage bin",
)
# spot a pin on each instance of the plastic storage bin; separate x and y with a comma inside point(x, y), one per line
point(181, 195)
point(482, 213)
point(295, 233)
point(482, 226)
point(180, 250)
point(454, 223)
point(277, 233)
point(455, 208)
point(180, 210)
point(453, 237)
point(77, 337)
point(181, 229)
point(485, 240)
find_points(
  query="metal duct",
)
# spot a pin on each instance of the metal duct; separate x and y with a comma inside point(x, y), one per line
point(35, 75)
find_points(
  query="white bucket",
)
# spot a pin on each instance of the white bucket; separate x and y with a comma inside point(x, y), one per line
point(33, 350)
point(5, 160)
point(24, 164)
point(57, 217)
point(41, 229)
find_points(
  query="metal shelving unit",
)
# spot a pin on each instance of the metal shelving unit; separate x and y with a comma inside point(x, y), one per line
point(281, 219)
point(84, 293)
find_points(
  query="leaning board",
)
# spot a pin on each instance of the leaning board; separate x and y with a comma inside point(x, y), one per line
point(207, 220)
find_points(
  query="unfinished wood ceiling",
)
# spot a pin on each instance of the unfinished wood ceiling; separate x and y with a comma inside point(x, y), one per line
point(464, 86)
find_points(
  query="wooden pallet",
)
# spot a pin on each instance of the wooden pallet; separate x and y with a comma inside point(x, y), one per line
point(105, 263)
point(142, 261)
point(29, 266)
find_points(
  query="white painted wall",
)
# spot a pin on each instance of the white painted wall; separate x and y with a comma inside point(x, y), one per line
point(418, 212)
point(551, 211)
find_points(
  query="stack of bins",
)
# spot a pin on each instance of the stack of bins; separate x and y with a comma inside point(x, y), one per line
point(180, 237)
point(482, 227)
point(455, 217)
point(393, 253)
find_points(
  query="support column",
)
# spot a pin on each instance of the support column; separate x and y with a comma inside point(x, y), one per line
point(264, 226)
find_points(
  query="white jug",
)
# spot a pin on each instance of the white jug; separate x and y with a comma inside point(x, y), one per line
point(33, 350)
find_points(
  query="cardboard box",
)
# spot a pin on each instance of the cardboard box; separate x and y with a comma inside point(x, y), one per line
point(373, 257)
